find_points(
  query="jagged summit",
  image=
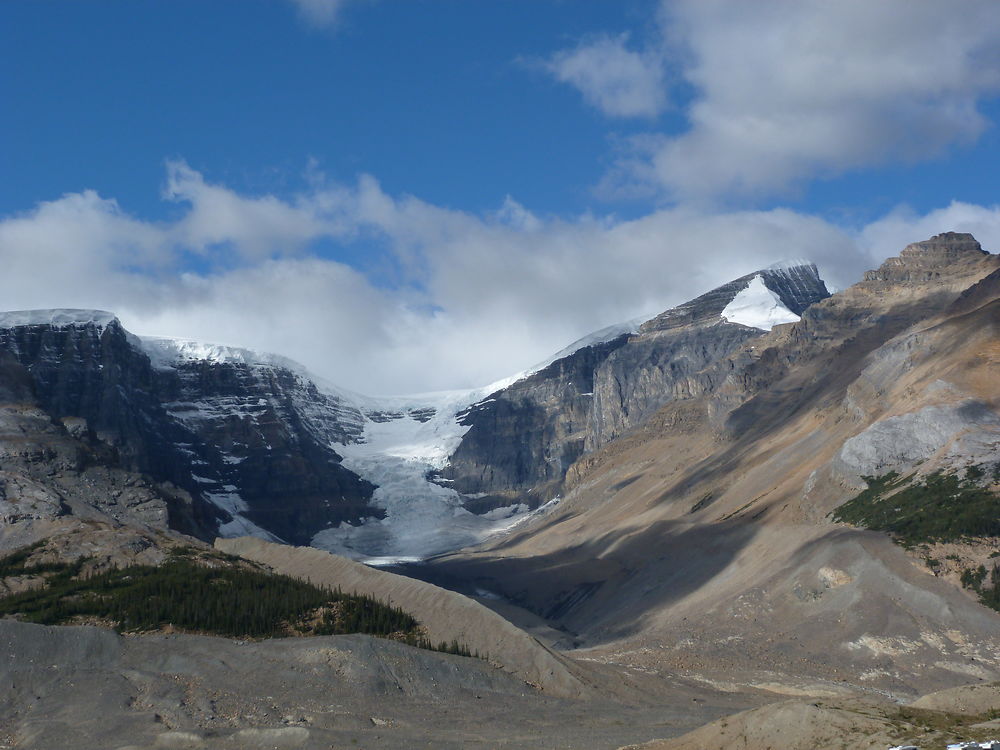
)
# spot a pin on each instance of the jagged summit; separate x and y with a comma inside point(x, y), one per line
point(58, 318)
point(795, 285)
point(946, 254)
point(945, 245)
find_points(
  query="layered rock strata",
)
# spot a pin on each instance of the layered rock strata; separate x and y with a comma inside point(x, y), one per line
point(522, 440)
point(247, 442)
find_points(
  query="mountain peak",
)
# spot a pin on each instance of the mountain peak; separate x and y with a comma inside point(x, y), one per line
point(793, 284)
point(948, 243)
point(791, 263)
point(943, 254)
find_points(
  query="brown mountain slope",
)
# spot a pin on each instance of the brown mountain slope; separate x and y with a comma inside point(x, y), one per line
point(445, 615)
point(949, 716)
point(701, 541)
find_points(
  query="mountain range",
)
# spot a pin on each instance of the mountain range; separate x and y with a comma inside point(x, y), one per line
point(770, 490)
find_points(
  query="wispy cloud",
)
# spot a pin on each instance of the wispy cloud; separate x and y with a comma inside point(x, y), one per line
point(322, 13)
point(618, 81)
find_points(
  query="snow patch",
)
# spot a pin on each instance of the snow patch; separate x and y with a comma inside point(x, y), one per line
point(165, 353)
point(58, 318)
point(230, 501)
point(758, 307)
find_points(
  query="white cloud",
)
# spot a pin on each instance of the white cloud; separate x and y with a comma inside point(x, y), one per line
point(320, 12)
point(788, 90)
point(612, 78)
point(479, 296)
point(890, 234)
point(258, 227)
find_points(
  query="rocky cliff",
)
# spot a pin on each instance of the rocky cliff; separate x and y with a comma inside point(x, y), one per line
point(54, 468)
point(248, 442)
point(262, 435)
point(522, 440)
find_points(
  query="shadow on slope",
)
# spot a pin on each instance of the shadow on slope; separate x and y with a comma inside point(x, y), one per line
point(603, 588)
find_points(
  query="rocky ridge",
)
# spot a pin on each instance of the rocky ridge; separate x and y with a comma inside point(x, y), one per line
point(583, 401)
point(258, 443)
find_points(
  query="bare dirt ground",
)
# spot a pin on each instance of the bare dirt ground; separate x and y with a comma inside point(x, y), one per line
point(88, 688)
point(954, 715)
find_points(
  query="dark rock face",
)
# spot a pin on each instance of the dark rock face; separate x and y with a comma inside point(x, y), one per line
point(232, 436)
point(50, 468)
point(528, 434)
point(522, 440)
point(262, 434)
point(93, 372)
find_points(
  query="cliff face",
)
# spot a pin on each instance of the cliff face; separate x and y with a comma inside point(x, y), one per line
point(249, 443)
point(52, 468)
point(261, 445)
point(521, 440)
point(939, 257)
point(89, 369)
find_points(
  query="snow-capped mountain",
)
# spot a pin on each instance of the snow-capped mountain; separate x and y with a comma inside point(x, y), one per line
point(522, 441)
point(266, 448)
point(701, 464)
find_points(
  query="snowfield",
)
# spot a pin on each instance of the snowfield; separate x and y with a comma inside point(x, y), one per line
point(397, 454)
point(58, 318)
point(758, 307)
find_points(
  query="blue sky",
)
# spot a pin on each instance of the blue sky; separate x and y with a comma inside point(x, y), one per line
point(439, 99)
point(421, 194)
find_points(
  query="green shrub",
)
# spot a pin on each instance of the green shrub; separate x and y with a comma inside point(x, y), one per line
point(941, 508)
point(973, 579)
point(229, 600)
point(991, 596)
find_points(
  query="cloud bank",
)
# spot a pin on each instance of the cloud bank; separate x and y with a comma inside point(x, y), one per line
point(474, 298)
point(390, 293)
point(783, 91)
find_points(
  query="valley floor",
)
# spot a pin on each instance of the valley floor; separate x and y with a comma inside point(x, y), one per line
point(178, 691)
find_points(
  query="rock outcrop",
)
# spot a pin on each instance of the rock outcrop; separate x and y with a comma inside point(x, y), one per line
point(521, 440)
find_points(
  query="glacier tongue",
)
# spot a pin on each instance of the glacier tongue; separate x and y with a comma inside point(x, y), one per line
point(758, 307)
point(408, 438)
point(405, 440)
